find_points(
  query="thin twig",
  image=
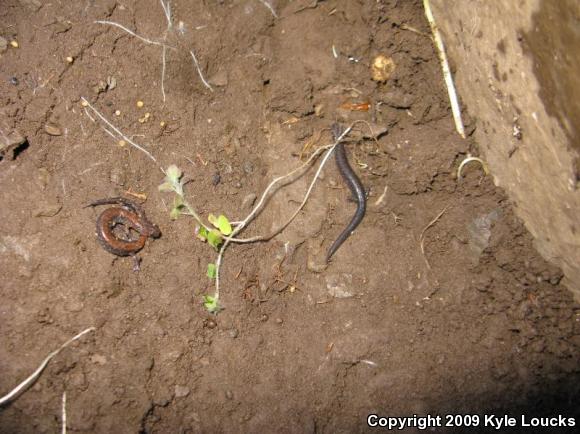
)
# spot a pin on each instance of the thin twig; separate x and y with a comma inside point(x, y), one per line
point(455, 109)
point(22, 386)
point(116, 130)
point(199, 71)
point(421, 238)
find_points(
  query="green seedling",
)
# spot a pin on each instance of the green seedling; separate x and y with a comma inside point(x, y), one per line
point(211, 303)
point(222, 227)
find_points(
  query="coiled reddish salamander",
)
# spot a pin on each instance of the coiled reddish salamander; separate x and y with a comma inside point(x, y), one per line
point(130, 215)
point(356, 188)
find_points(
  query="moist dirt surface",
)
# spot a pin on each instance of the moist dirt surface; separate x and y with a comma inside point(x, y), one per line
point(437, 304)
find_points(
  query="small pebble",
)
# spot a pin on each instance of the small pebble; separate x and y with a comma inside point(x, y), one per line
point(248, 167)
point(140, 104)
point(52, 129)
point(117, 112)
point(84, 103)
point(210, 324)
point(122, 143)
point(14, 44)
point(215, 180)
point(69, 59)
point(279, 320)
point(181, 391)
point(162, 124)
point(233, 333)
point(229, 394)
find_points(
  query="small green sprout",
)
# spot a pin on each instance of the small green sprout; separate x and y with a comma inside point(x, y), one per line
point(173, 181)
point(222, 223)
point(211, 303)
point(211, 271)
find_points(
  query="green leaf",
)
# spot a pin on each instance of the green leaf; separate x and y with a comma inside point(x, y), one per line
point(166, 186)
point(212, 219)
point(175, 213)
point(214, 238)
point(223, 224)
point(211, 303)
point(211, 271)
point(202, 233)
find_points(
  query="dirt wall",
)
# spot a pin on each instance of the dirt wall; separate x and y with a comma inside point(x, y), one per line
point(515, 67)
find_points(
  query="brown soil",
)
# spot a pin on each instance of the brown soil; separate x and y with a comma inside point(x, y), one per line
point(477, 324)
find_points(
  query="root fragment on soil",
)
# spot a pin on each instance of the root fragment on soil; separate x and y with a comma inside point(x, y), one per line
point(63, 417)
point(422, 239)
point(269, 6)
point(438, 41)
point(88, 105)
point(260, 204)
point(32, 378)
point(468, 160)
point(142, 38)
point(196, 63)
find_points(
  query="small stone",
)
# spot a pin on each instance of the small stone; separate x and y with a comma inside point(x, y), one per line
point(210, 324)
point(249, 200)
point(53, 129)
point(279, 320)
point(248, 167)
point(181, 391)
point(382, 68)
point(117, 112)
point(229, 395)
point(84, 103)
point(70, 59)
point(233, 333)
point(337, 285)
point(111, 83)
point(14, 44)
point(140, 104)
point(216, 179)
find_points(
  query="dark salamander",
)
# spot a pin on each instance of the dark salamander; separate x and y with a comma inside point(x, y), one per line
point(355, 186)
